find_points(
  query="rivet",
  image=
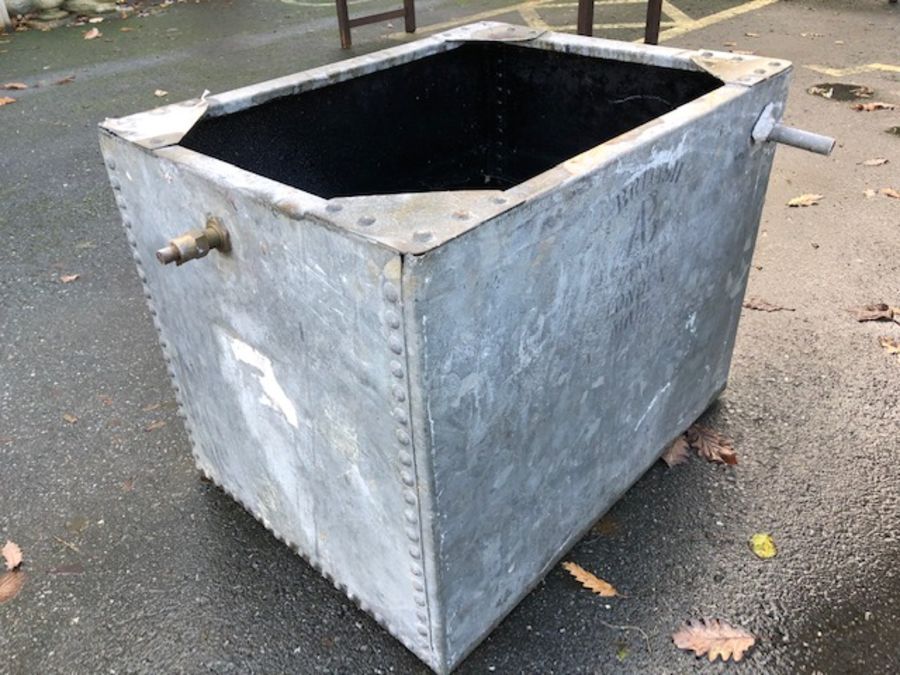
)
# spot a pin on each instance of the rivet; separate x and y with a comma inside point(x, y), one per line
point(399, 393)
point(420, 587)
point(412, 534)
point(402, 437)
point(775, 64)
point(400, 415)
point(121, 202)
point(397, 369)
point(706, 54)
point(422, 616)
point(415, 553)
point(391, 294)
point(334, 208)
point(378, 618)
point(411, 516)
point(395, 344)
point(366, 221)
point(499, 200)
point(111, 163)
point(127, 222)
point(422, 235)
point(392, 319)
point(760, 71)
point(407, 478)
point(116, 185)
point(409, 497)
point(406, 460)
point(461, 215)
point(737, 58)
point(416, 570)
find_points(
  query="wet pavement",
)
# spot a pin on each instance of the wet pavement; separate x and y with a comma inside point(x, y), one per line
point(134, 564)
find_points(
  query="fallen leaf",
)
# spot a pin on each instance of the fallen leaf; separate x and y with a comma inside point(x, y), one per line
point(824, 92)
point(153, 426)
point(70, 418)
point(711, 445)
point(589, 581)
point(104, 399)
point(715, 637)
point(12, 554)
point(6, 100)
point(126, 29)
point(14, 86)
point(763, 546)
point(677, 452)
point(765, 306)
point(840, 91)
point(128, 485)
point(806, 200)
point(10, 585)
point(874, 105)
point(69, 278)
point(838, 42)
point(151, 406)
point(730, 44)
point(752, 34)
point(159, 93)
point(69, 79)
point(890, 345)
point(95, 19)
point(875, 312)
point(875, 161)
point(869, 193)
point(889, 192)
point(93, 33)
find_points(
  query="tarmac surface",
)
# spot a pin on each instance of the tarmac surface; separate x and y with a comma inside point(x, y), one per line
point(134, 564)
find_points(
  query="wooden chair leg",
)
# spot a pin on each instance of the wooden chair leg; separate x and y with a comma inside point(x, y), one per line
point(343, 17)
point(586, 17)
point(654, 16)
point(409, 15)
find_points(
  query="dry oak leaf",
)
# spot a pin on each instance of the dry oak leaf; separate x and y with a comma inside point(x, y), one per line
point(68, 278)
point(153, 426)
point(6, 100)
point(711, 445)
point(715, 638)
point(12, 554)
point(890, 345)
point(869, 192)
point(10, 585)
point(889, 192)
point(14, 86)
point(93, 33)
point(873, 105)
point(806, 200)
point(589, 581)
point(70, 418)
point(875, 312)
point(69, 79)
point(875, 161)
point(677, 452)
point(159, 93)
point(765, 306)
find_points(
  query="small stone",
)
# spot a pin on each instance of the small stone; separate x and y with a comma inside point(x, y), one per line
point(89, 6)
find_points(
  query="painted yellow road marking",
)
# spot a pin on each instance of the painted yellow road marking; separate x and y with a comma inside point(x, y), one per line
point(532, 18)
point(675, 14)
point(712, 19)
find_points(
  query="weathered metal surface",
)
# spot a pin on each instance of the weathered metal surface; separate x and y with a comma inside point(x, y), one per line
point(431, 396)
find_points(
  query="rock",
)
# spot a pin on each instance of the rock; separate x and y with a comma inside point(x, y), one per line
point(48, 7)
point(89, 6)
point(52, 15)
point(19, 6)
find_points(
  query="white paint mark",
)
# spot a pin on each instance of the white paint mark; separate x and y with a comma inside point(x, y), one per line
point(691, 323)
point(652, 403)
point(273, 395)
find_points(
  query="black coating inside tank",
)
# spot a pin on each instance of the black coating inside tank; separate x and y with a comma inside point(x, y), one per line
point(481, 116)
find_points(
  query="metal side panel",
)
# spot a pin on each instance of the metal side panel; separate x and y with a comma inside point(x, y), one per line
point(287, 358)
point(562, 345)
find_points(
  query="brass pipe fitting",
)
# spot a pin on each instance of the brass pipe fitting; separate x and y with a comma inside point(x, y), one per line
point(195, 244)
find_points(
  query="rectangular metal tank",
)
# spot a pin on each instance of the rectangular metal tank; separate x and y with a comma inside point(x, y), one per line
point(459, 295)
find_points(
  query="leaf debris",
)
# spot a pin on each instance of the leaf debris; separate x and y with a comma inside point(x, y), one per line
point(878, 311)
point(872, 106)
point(14, 86)
point(875, 161)
point(10, 585)
point(677, 452)
point(92, 34)
point(765, 306)
point(711, 445)
point(70, 418)
point(890, 345)
point(6, 100)
point(69, 278)
point(763, 546)
point(809, 199)
point(714, 638)
point(889, 192)
point(153, 426)
point(159, 93)
point(12, 554)
point(589, 581)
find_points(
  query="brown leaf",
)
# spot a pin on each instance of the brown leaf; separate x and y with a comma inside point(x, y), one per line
point(70, 418)
point(69, 79)
point(873, 105)
point(715, 638)
point(890, 345)
point(104, 399)
point(151, 406)
point(6, 100)
point(153, 426)
point(711, 445)
point(752, 34)
point(875, 312)
point(69, 278)
point(869, 192)
point(677, 452)
point(765, 306)
point(159, 93)
point(10, 585)
point(806, 200)
point(14, 86)
point(889, 192)
point(93, 33)
point(589, 581)
point(12, 554)
point(875, 161)
point(126, 29)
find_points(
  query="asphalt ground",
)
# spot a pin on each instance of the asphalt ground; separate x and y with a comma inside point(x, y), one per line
point(134, 564)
